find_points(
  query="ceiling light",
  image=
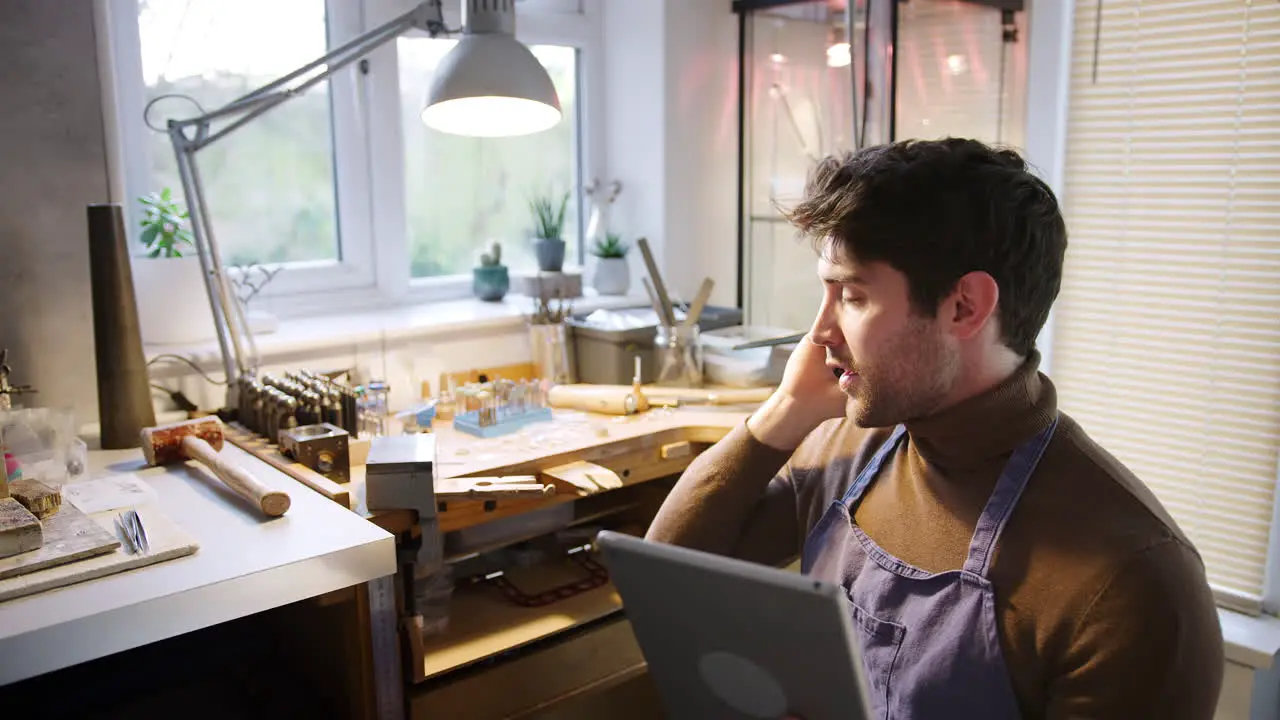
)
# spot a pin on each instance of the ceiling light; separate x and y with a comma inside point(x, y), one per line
point(838, 55)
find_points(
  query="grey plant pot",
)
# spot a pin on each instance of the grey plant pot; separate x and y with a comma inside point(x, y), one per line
point(490, 283)
point(550, 254)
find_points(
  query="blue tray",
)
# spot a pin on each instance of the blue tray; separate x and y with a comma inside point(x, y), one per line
point(508, 422)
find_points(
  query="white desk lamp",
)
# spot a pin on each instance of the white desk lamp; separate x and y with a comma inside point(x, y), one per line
point(489, 85)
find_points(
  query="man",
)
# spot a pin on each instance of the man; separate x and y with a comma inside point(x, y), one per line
point(998, 562)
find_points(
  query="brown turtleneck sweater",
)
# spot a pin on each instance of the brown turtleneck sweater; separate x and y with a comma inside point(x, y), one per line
point(1101, 601)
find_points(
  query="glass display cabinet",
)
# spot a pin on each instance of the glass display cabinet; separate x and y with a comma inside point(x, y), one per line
point(824, 76)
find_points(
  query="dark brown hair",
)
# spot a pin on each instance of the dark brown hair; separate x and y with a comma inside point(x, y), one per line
point(936, 210)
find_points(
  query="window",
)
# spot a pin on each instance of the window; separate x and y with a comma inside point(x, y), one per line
point(343, 186)
point(1167, 332)
point(270, 186)
point(461, 193)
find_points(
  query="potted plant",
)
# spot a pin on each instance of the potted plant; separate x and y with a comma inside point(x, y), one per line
point(173, 305)
point(548, 231)
point(612, 276)
point(490, 280)
point(164, 226)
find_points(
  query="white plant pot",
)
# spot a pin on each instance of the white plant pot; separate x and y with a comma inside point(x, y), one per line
point(261, 322)
point(612, 276)
point(173, 305)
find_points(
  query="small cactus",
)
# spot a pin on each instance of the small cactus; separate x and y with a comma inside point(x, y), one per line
point(493, 258)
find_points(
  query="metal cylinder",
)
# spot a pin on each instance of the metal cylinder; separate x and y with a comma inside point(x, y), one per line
point(257, 416)
point(124, 390)
point(271, 411)
point(306, 413)
point(350, 413)
point(288, 417)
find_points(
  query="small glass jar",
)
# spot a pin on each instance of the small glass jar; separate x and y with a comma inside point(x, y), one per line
point(678, 352)
point(552, 359)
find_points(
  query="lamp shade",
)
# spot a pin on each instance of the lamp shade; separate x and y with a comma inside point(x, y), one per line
point(491, 85)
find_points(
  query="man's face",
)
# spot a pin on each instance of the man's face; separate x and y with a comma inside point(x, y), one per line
point(894, 363)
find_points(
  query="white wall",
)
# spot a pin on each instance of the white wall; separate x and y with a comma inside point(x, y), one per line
point(1049, 30)
point(635, 131)
point(671, 138)
point(54, 165)
point(701, 179)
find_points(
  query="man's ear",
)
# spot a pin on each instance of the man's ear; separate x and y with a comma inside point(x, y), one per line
point(971, 304)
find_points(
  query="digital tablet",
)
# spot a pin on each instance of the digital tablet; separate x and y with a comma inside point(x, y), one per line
point(726, 638)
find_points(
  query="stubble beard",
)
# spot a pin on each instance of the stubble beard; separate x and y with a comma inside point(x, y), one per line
point(909, 379)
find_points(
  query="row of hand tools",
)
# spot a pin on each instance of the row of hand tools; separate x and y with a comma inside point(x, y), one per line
point(270, 403)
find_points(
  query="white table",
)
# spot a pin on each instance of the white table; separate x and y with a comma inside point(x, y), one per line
point(245, 564)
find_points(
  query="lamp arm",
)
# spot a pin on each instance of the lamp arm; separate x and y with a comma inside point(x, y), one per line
point(232, 362)
point(427, 16)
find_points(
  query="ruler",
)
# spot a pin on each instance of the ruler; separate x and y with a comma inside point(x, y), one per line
point(388, 685)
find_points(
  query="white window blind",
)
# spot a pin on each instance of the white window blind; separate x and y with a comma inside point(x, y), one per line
point(1167, 331)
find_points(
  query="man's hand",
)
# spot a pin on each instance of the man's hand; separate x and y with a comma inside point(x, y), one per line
point(808, 395)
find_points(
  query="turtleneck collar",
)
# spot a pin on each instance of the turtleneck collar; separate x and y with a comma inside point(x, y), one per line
point(989, 425)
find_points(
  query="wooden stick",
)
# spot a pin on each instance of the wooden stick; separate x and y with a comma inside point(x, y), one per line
point(668, 316)
point(258, 446)
point(708, 396)
point(273, 503)
point(699, 302)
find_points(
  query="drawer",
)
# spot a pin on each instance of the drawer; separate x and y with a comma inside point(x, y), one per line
point(570, 675)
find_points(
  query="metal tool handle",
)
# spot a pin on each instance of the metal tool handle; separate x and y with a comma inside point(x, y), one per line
point(784, 340)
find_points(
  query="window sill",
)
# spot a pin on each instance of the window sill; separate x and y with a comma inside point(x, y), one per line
point(1250, 641)
point(421, 321)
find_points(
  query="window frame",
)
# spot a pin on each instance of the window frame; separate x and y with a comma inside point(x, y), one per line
point(353, 268)
point(572, 23)
point(373, 268)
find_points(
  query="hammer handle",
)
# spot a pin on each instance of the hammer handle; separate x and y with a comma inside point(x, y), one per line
point(273, 502)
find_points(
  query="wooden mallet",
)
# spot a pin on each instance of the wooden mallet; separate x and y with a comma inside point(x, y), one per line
point(200, 439)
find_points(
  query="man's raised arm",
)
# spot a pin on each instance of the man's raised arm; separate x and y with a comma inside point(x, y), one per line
point(736, 498)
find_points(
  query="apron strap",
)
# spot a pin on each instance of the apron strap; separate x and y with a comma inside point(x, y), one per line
point(1013, 480)
point(873, 468)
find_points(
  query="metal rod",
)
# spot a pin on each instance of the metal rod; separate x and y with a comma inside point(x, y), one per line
point(359, 44)
point(784, 340)
point(398, 24)
point(893, 70)
point(220, 275)
point(195, 212)
point(742, 155)
point(269, 102)
point(252, 360)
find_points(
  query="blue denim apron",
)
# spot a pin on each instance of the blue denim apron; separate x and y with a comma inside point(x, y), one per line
point(930, 641)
